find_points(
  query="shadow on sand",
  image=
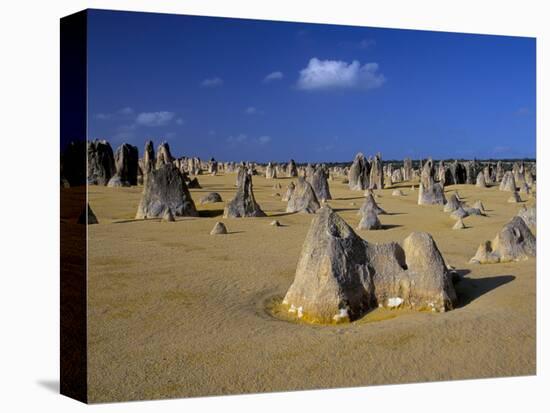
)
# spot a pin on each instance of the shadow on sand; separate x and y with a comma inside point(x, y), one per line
point(51, 385)
point(470, 289)
point(390, 226)
point(348, 198)
point(210, 213)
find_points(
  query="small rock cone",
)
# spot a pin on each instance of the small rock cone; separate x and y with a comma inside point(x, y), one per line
point(219, 229)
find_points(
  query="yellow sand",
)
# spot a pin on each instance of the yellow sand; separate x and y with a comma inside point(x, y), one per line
point(174, 311)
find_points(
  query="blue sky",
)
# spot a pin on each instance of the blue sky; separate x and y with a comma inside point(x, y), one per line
point(241, 89)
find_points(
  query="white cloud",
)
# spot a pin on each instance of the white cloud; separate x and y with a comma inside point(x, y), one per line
point(212, 82)
point(273, 76)
point(237, 139)
point(264, 139)
point(126, 111)
point(154, 118)
point(180, 121)
point(337, 74)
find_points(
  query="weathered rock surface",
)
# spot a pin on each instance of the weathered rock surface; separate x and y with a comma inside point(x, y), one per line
point(480, 180)
point(165, 189)
point(244, 204)
point(320, 185)
point(211, 198)
point(529, 215)
point(167, 216)
point(164, 156)
point(303, 198)
point(430, 192)
point(370, 203)
point(126, 163)
point(340, 276)
point(514, 242)
point(292, 170)
point(148, 159)
point(270, 171)
point(289, 190)
point(479, 205)
point(369, 221)
point(333, 281)
point(116, 181)
point(358, 176)
point(376, 178)
point(508, 182)
point(219, 229)
point(101, 162)
point(452, 204)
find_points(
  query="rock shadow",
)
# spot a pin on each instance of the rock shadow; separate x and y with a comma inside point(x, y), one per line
point(282, 214)
point(210, 213)
point(470, 289)
point(390, 226)
point(348, 198)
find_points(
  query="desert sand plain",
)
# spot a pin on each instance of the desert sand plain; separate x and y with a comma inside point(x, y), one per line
point(174, 311)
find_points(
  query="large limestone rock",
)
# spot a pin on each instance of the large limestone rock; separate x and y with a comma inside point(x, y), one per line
point(340, 276)
point(514, 242)
point(270, 171)
point(148, 162)
point(292, 170)
point(430, 192)
point(164, 189)
point(433, 195)
point(126, 162)
point(376, 179)
point(369, 221)
point(453, 204)
point(163, 155)
point(289, 190)
point(320, 185)
point(333, 281)
point(430, 285)
point(508, 182)
point(303, 198)
point(358, 175)
point(407, 169)
point(480, 180)
point(116, 181)
point(529, 215)
point(244, 204)
point(370, 203)
point(101, 162)
point(397, 176)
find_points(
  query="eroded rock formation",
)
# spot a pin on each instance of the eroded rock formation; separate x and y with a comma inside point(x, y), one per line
point(514, 242)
